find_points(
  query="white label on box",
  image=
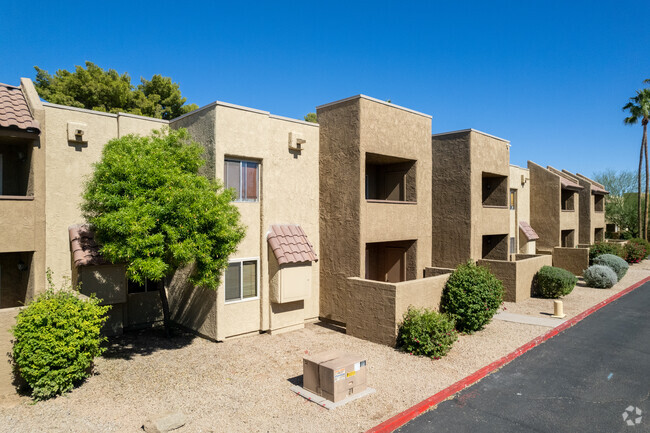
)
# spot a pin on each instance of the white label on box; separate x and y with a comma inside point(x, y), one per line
point(339, 374)
point(357, 366)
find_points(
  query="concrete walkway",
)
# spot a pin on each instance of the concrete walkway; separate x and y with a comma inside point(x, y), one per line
point(528, 320)
point(593, 377)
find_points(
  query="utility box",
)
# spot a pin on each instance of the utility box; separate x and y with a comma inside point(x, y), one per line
point(293, 283)
point(334, 375)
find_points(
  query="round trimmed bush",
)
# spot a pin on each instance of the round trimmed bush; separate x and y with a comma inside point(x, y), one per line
point(552, 282)
point(600, 277)
point(600, 248)
point(426, 332)
point(471, 297)
point(617, 264)
point(642, 243)
point(56, 338)
point(634, 252)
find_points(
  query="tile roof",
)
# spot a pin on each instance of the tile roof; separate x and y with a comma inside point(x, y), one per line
point(567, 184)
point(14, 111)
point(85, 250)
point(595, 189)
point(528, 231)
point(290, 244)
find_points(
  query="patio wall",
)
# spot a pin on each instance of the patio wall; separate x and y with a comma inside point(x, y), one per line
point(376, 308)
point(574, 260)
point(517, 276)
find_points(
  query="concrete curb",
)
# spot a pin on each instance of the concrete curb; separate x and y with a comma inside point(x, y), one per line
point(402, 418)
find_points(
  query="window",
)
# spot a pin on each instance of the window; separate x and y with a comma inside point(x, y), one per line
point(243, 177)
point(513, 199)
point(513, 246)
point(241, 280)
point(148, 286)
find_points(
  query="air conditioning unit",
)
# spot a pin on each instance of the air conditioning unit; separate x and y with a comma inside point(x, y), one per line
point(77, 132)
point(296, 141)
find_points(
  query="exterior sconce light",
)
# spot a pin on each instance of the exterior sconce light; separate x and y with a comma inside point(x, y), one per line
point(22, 266)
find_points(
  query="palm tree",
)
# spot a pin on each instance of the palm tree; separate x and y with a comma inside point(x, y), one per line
point(639, 109)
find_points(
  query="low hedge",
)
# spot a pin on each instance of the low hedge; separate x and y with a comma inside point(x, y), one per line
point(600, 248)
point(427, 333)
point(471, 297)
point(615, 263)
point(552, 282)
point(600, 277)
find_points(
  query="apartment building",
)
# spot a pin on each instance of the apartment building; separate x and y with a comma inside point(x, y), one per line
point(522, 235)
point(591, 218)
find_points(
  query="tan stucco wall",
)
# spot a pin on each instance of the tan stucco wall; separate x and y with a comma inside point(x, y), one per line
point(288, 194)
point(545, 206)
point(517, 276)
point(349, 130)
point(574, 260)
point(522, 210)
point(460, 220)
point(589, 218)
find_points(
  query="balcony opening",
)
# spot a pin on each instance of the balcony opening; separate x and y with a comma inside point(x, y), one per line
point(599, 203)
point(495, 190)
point(390, 178)
point(15, 167)
point(14, 278)
point(567, 238)
point(495, 247)
point(599, 234)
point(391, 262)
point(568, 200)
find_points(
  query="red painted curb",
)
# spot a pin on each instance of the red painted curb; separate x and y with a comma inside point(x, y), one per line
point(402, 418)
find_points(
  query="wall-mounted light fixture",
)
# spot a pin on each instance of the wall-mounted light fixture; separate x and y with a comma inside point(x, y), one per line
point(22, 266)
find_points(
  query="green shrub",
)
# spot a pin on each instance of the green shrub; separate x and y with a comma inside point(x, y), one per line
point(617, 264)
point(552, 282)
point(600, 277)
point(626, 235)
point(642, 242)
point(471, 297)
point(600, 248)
point(634, 252)
point(56, 338)
point(427, 333)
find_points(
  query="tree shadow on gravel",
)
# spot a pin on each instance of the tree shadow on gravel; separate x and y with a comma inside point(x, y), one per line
point(144, 342)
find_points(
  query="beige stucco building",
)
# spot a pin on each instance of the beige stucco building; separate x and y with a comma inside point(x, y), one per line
point(522, 235)
point(591, 218)
point(272, 162)
point(471, 217)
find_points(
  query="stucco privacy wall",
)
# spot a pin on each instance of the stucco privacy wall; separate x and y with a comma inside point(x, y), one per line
point(574, 260)
point(459, 217)
point(518, 275)
point(351, 129)
point(545, 206)
point(288, 193)
point(69, 164)
point(379, 307)
point(590, 219)
point(522, 208)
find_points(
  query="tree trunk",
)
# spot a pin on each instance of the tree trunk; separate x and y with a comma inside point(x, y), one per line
point(638, 204)
point(645, 149)
point(165, 307)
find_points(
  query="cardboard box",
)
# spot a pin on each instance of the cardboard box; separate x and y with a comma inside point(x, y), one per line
point(342, 376)
point(310, 367)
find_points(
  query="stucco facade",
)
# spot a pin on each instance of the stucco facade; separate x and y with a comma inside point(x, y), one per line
point(375, 195)
point(519, 203)
point(470, 213)
point(287, 194)
point(591, 218)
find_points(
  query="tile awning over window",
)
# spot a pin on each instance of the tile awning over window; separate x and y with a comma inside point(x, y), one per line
point(598, 190)
point(14, 111)
point(85, 250)
point(528, 231)
point(567, 184)
point(290, 244)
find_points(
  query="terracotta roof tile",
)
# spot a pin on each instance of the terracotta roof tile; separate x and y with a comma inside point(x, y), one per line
point(567, 184)
point(290, 244)
point(14, 111)
point(85, 250)
point(528, 231)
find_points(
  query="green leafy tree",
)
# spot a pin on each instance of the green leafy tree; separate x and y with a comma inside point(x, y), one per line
point(97, 89)
point(638, 109)
point(311, 117)
point(621, 203)
point(151, 210)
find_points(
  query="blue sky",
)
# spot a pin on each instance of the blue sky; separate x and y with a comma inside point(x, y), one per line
point(550, 76)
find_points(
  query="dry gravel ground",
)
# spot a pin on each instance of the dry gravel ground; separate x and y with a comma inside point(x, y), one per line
point(243, 385)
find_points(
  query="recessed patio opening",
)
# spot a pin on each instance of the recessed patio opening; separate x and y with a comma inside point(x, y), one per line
point(495, 247)
point(495, 190)
point(390, 178)
point(14, 278)
point(568, 201)
point(15, 166)
point(599, 234)
point(599, 203)
point(391, 262)
point(568, 238)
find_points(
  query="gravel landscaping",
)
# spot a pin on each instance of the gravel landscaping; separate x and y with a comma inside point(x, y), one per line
point(243, 385)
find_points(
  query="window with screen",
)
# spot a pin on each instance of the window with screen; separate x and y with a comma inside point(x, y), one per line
point(241, 280)
point(243, 177)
